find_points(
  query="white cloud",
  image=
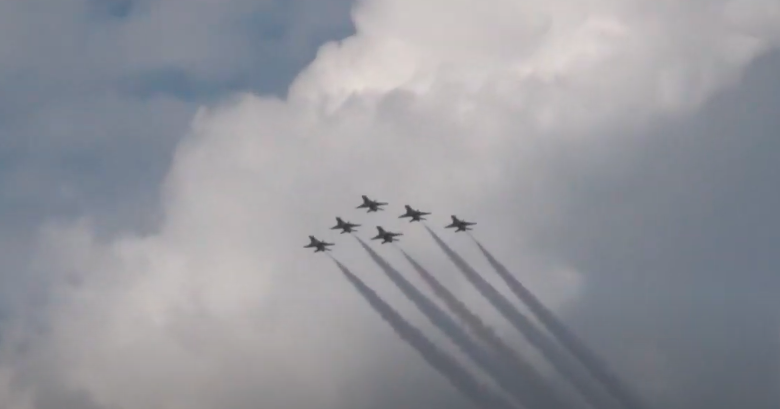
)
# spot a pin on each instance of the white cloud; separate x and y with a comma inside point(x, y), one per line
point(431, 103)
point(563, 65)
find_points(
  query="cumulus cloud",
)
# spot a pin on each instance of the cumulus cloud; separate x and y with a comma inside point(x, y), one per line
point(562, 65)
point(90, 111)
point(444, 105)
point(83, 88)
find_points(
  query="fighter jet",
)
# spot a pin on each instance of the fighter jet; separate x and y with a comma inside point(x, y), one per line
point(461, 225)
point(386, 236)
point(415, 215)
point(346, 227)
point(371, 205)
point(319, 244)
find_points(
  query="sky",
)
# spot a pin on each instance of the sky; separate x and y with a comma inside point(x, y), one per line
point(162, 163)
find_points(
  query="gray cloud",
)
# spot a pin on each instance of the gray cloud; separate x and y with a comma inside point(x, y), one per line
point(84, 94)
point(89, 116)
point(678, 250)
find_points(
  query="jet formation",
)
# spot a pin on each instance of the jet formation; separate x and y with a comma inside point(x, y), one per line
point(554, 342)
point(414, 215)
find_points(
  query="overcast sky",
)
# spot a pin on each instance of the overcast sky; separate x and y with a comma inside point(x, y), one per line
point(163, 161)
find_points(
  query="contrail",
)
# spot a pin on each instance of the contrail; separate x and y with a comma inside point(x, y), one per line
point(438, 359)
point(532, 384)
point(537, 338)
point(578, 348)
point(448, 326)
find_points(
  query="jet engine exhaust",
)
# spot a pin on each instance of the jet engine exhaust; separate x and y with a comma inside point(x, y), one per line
point(589, 360)
point(438, 359)
point(532, 385)
point(449, 327)
point(554, 354)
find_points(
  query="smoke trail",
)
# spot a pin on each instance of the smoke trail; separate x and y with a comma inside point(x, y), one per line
point(537, 338)
point(578, 348)
point(448, 326)
point(532, 384)
point(438, 359)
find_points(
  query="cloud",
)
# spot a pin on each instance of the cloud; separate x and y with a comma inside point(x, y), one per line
point(449, 105)
point(678, 250)
point(90, 117)
point(82, 90)
point(547, 60)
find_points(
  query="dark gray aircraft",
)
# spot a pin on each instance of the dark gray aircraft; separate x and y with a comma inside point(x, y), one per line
point(346, 227)
point(415, 215)
point(386, 236)
point(318, 244)
point(371, 205)
point(460, 225)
